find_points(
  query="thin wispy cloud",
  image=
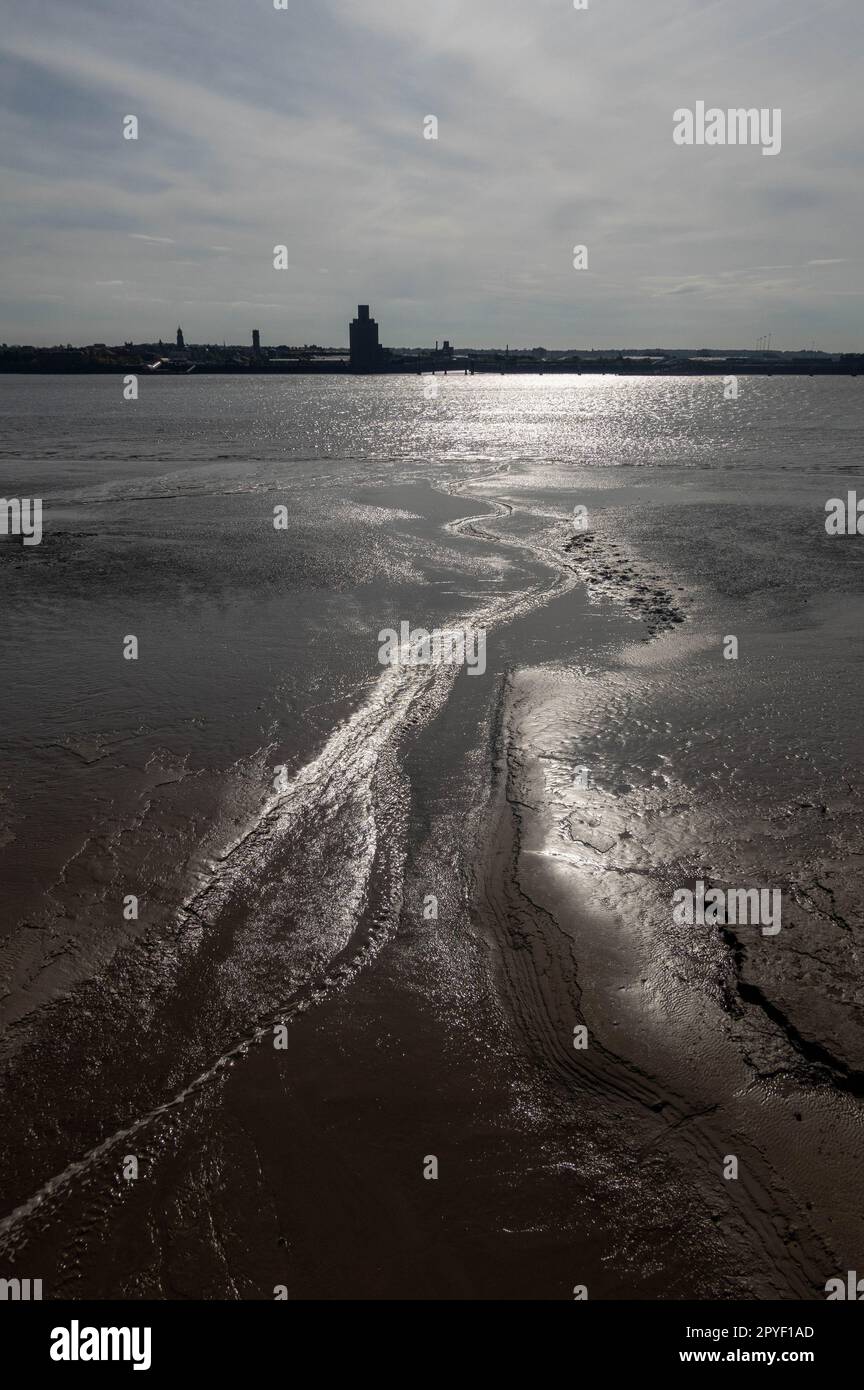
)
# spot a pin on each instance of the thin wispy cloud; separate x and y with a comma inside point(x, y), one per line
point(304, 127)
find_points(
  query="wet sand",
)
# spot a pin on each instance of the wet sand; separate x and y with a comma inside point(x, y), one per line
point(303, 1168)
point(608, 757)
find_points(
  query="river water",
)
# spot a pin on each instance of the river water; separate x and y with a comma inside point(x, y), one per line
point(283, 924)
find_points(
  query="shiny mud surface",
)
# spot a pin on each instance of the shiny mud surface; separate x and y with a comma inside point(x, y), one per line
point(283, 807)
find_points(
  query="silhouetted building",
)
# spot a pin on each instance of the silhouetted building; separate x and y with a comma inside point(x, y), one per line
point(363, 334)
point(180, 342)
point(256, 342)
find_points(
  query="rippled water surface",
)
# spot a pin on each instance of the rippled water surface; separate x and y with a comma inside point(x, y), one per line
point(282, 806)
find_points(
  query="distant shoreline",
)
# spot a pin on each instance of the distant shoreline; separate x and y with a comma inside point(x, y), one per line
point(708, 367)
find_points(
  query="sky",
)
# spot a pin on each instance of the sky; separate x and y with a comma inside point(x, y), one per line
point(304, 127)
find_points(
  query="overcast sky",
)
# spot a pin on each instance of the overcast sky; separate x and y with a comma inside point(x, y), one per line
point(305, 127)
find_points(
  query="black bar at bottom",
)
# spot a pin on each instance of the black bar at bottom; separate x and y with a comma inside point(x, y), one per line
point(276, 1339)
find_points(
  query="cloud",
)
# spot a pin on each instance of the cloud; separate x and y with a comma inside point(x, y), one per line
point(691, 287)
point(305, 127)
